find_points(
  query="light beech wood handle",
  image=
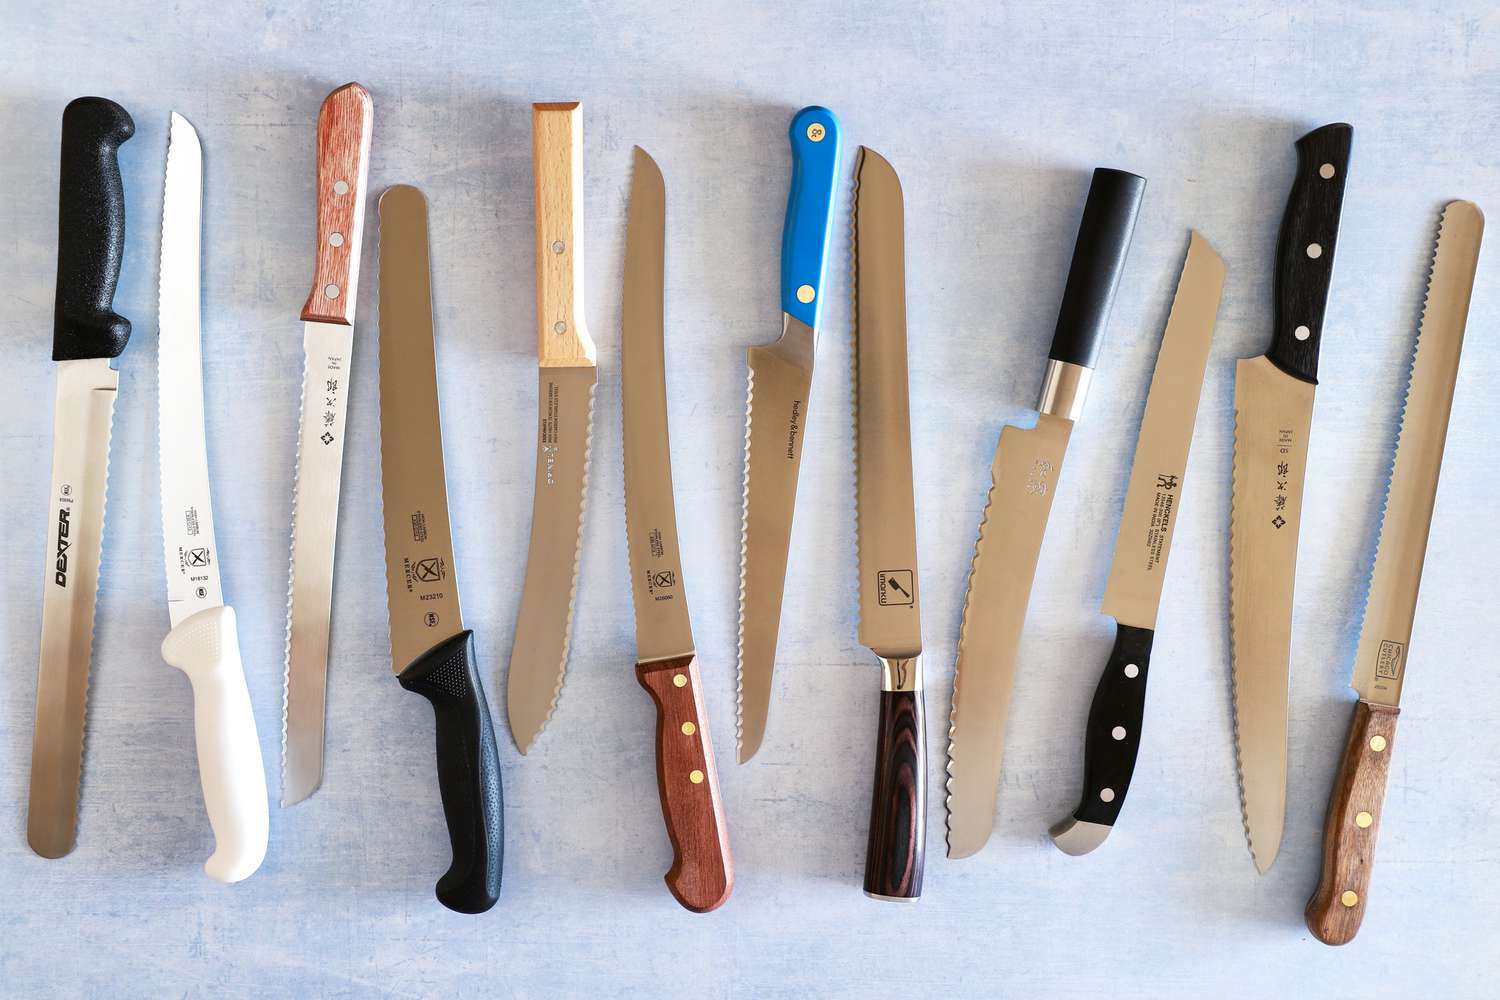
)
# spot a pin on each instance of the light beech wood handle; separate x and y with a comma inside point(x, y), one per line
point(562, 339)
point(344, 128)
point(1337, 907)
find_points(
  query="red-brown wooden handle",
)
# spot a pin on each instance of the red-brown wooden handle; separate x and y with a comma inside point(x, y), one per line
point(344, 128)
point(702, 872)
point(1337, 907)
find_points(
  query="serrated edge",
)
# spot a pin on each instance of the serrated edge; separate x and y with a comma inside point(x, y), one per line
point(859, 567)
point(1234, 686)
point(739, 665)
point(291, 579)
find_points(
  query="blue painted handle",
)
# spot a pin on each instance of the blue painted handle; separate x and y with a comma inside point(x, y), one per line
point(809, 212)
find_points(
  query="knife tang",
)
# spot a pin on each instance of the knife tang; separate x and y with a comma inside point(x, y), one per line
point(1304, 249)
point(557, 157)
point(447, 675)
point(1335, 910)
point(90, 231)
point(1098, 260)
point(702, 874)
point(344, 128)
point(897, 844)
point(809, 213)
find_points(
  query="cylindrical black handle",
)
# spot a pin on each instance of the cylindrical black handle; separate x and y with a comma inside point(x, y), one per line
point(468, 765)
point(897, 844)
point(90, 232)
point(1114, 727)
point(1098, 258)
point(1304, 249)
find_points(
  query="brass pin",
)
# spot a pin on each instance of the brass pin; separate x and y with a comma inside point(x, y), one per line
point(1349, 898)
point(689, 729)
point(1377, 743)
point(680, 680)
point(696, 777)
point(1363, 820)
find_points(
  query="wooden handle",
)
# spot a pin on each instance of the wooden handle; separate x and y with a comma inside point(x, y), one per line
point(344, 126)
point(702, 872)
point(562, 341)
point(897, 844)
point(1337, 907)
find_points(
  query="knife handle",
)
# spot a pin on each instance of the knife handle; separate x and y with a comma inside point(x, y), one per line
point(702, 872)
point(815, 136)
point(1335, 910)
point(1111, 742)
point(345, 123)
point(468, 766)
point(90, 232)
point(1098, 260)
point(1304, 249)
point(562, 339)
point(206, 647)
point(897, 845)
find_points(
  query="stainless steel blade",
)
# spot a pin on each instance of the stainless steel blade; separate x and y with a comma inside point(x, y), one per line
point(775, 416)
point(662, 626)
point(1028, 464)
point(889, 599)
point(1273, 417)
point(539, 657)
point(1391, 605)
point(327, 349)
point(1133, 593)
point(81, 422)
point(421, 581)
point(187, 517)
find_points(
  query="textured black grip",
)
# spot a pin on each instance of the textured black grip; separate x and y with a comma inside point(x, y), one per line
point(1114, 728)
point(897, 846)
point(90, 232)
point(468, 766)
point(1098, 258)
point(1304, 250)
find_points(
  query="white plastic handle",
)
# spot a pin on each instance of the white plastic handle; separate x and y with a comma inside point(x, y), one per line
point(206, 647)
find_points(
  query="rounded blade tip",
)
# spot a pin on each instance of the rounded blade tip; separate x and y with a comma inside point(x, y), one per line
point(1076, 837)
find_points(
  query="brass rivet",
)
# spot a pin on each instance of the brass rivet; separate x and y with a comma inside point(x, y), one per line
point(696, 777)
point(1363, 820)
point(1349, 898)
point(816, 131)
point(1377, 743)
point(1326, 171)
point(805, 294)
point(689, 729)
point(680, 680)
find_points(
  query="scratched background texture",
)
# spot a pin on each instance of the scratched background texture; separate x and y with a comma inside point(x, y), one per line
point(994, 115)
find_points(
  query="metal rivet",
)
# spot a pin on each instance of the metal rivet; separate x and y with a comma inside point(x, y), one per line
point(1131, 670)
point(560, 327)
point(1349, 898)
point(680, 680)
point(1363, 820)
point(332, 291)
point(688, 729)
point(816, 131)
point(1326, 171)
point(696, 777)
point(1377, 743)
point(805, 294)
point(1314, 250)
point(1302, 333)
point(1118, 732)
point(558, 246)
point(1106, 795)
point(335, 239)
point(340, 187)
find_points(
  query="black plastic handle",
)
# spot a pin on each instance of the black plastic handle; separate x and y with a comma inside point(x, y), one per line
point(897, 846)
point(1304, 249)
point(468, 764)
point(1114, 727)
point(90, 232)
point(1098, 259)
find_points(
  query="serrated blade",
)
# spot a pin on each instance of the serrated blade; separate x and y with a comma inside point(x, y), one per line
point(192, 560)
point(1028, 463)
point(1384, 640)
point(775, 414)
point(1273, 417)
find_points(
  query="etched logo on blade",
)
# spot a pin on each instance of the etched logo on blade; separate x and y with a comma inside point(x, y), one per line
point(1388, 663)
point(197, 558)
point(1038, 480)
point(794, 430)
point(661, 583)
point(895, 587)
point(63, 529)
point(427, 570)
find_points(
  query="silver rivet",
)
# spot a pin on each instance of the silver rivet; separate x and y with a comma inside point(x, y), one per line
point(335, 239)
point(1131, 670)
point(1118, 732)
point(340, 187)
point(1314, 250)
point(558, 246)
point(1326, 171)
point(1106, 795)
point(560, 327)
point(332, 291)
point(1302, 333)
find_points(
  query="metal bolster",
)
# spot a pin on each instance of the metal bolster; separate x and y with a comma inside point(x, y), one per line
point(901, 673)
point(1064, 389)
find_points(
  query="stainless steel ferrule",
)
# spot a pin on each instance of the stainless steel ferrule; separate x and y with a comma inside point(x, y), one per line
point(901, 673)
point(1064, 390)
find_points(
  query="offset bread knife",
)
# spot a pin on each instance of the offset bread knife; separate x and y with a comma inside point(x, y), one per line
point(1273, 401)
point(1133, 594)
point(1338, 905)
point(344, 128)
point(776, 416)
point(431, 651)
point(890, 621)
point(1028, 464)
point(204, 641)
point(87, 333)
point(702, 873)
point(567, 369)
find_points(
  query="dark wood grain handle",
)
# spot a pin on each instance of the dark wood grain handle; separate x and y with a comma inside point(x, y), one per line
point(897, 844)
point(345, 124)
point(1338, 906)
point(702, 872)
